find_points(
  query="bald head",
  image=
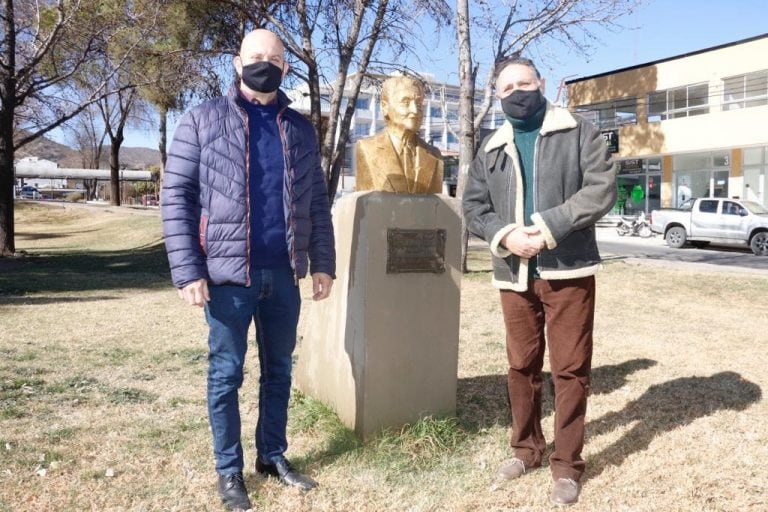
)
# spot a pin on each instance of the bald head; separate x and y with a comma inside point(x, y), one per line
point(259, 47)
point(261, 40)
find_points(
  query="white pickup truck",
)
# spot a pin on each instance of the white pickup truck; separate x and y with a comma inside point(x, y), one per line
point(710, 220)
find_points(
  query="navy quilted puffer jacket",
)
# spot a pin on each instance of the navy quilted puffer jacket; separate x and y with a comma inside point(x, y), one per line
point(205, 199)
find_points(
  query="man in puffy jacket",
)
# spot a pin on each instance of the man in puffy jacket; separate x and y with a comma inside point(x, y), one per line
point(245, 216)
point(535, 190)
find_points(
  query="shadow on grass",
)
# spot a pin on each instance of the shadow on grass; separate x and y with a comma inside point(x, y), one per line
point(43, 300)
point(49, 236)
point(483, 401)
point(143, 268)
point(666, 407)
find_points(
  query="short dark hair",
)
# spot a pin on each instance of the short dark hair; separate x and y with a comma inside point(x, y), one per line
point(504, 61)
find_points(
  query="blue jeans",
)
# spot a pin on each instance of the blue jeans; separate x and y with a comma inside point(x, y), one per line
point(273, 302)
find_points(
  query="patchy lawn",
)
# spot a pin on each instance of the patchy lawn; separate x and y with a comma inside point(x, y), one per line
point(102, 392)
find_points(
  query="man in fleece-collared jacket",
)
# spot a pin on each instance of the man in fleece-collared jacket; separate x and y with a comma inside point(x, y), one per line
point(535, 190)
point(244, 208)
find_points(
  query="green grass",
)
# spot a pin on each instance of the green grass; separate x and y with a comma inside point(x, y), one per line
point(105, 369)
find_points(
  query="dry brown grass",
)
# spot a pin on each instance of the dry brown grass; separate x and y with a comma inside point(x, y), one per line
point(102, 372)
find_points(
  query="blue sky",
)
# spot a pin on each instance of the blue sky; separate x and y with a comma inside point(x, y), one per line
point(658, 29)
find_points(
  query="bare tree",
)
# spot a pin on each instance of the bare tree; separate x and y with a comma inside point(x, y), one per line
point(44, 45)
point(116, 110)
point(87, 135)
point(328, 40)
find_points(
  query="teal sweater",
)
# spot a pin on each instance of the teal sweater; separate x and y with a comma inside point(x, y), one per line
point(526, 132)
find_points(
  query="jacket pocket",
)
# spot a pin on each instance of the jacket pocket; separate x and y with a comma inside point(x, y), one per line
point(203, 232)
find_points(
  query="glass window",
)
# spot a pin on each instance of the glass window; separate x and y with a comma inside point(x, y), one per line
point(657, 106)
point(435, 137)
point(753, 156)
point(435, 112)
point(363, 103)
point(720, 184)
point(748, 90)
point(698, 99)
point(362, 129)
point(733, 93)
point(590, 114)
point(692, 162)
point(731, 208)
point(689, 100)
point(610, 114)
point(653, 165)
point(755, 170)
point(452, 96)
point(625, 111)
point(721, 159)
point(677, 99)
point(756, 89)
point(452, 138)
point(708, 206)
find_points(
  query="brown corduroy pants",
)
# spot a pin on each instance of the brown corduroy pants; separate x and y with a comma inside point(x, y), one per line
point(562, 312)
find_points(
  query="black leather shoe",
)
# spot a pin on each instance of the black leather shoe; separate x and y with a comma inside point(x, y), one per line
point(283, 470)
point(233, 493)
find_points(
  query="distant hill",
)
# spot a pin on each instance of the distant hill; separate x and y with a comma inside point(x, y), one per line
point(131, 158)
point(49, 150)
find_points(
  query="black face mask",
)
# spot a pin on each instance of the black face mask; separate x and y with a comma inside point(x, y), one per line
point(262, 77)
point(522, 104)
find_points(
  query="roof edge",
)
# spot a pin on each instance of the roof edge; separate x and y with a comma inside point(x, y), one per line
point(666, 59)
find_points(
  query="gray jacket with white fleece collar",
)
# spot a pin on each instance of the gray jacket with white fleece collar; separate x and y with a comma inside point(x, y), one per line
point(574, 186)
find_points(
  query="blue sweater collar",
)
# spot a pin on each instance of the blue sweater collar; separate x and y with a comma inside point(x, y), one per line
point(282, 99)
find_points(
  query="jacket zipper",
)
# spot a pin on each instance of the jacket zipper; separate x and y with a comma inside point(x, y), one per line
point(244, 115)
point(536, 188)
point(289, 177)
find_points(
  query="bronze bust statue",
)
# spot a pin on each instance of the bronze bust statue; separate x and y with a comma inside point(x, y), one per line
point(397, 159)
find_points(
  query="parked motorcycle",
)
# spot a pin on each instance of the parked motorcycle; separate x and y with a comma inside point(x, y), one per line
point(635, 226)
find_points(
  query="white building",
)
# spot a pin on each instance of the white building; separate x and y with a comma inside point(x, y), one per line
point(40, 167)
point(439, 127)
point(690, 125)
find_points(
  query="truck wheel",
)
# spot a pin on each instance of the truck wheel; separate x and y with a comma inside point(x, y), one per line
point(676, 237)
point(645, 231)
point(759, 244)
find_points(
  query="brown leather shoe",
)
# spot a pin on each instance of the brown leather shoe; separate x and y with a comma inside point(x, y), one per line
point(509, 470)
point(565, 492)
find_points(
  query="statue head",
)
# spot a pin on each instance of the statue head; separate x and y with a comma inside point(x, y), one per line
point(402, 103)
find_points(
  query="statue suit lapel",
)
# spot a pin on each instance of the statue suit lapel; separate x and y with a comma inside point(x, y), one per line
point(395, 174)
point(426, 164)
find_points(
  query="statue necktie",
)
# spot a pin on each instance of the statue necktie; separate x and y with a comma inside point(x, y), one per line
point(407, 159)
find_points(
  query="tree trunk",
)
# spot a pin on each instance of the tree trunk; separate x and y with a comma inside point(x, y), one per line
point(8, 103)
point(114, 168)
point(466, 112)
point(7, 246)
point(336, 141)
point(91, 187)
point(162, 145)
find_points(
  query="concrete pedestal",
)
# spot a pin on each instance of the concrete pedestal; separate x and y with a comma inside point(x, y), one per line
point(382, 350)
